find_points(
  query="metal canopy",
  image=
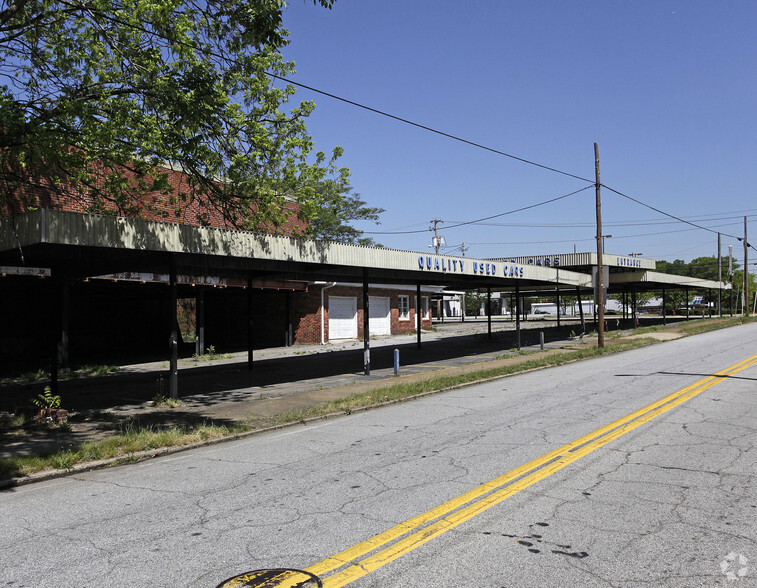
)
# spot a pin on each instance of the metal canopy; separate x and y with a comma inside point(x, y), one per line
point(77, 245)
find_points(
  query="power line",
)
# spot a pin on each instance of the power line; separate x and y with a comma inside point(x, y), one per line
point(676, 217)
point(679, 219)
point(424, 127)
point(485, 218)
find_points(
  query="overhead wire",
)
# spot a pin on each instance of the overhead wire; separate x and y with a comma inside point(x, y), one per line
point(424, 127)
point(473, 222)
point(675, 217)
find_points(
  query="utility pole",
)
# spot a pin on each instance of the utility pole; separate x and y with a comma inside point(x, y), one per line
point(730, 278)
point(437, 240)
point(720, 281)
point(600, 266)
point(746, 273)
point(463, 247)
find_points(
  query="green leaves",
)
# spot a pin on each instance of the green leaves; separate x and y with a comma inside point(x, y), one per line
point(105, 92)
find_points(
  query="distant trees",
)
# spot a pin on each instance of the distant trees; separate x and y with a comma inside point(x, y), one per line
point(704, 268)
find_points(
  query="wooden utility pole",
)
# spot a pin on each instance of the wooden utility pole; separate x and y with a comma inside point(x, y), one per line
point(746, 273)
point(720, 281)
point(600, 302)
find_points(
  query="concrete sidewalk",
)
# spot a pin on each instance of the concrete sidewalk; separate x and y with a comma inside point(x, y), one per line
point(225, 387)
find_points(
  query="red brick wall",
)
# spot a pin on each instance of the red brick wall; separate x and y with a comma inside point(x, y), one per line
point(307, 315)
point(154, 206)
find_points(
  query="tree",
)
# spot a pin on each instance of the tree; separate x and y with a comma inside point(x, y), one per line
point(474, 302)
point(98, 97)
point(337, 205)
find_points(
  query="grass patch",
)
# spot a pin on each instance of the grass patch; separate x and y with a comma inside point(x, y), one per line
point(43, 375)
point(702, 326)
point(402, 391)
point(132, 440)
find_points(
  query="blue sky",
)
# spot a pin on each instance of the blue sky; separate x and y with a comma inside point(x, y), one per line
point(666, 89)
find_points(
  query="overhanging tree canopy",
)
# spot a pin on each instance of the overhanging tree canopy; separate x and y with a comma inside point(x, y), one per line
point(98, 97)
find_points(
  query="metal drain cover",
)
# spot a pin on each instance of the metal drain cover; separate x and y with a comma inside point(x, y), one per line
point(273, 578)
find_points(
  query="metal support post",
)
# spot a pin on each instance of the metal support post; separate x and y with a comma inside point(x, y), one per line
point(366, 327)
point(418, 315)
point(200, 322)
point(517, 316)
point(173, 381)
point(250, 325)
point(489, 312)
point(664, 310)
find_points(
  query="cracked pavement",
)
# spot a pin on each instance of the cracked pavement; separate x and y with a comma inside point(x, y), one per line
point(672, 503)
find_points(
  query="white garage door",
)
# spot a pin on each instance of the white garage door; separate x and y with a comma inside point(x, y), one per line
point(378, 313)
point(342, 317)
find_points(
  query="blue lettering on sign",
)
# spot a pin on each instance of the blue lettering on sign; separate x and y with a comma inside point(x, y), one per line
point(547, 261)
point(630, 262)
point(479, 267)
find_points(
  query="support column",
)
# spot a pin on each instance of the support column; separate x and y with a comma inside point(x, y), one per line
point(418, 315)
point(56, 321)
point(250, 326)
point(557, 296)
point(517, 316)
point(633, 308)
point(173, 377)
point(664, 310)
point(581, 310)
point(489, 312)
point(288, 333)
point(366, 327)
point(709, 306)
point(200, 322)
point(65, 317)
point(687, 303)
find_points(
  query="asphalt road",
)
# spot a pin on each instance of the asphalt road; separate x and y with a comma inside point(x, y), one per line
point(667, 498)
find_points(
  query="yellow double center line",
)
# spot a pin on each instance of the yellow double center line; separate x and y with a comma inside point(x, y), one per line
point(365, 557)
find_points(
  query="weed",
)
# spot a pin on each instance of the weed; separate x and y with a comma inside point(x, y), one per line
point(63, 427)
point(96, 370)
point(64, 460)
point(162, 400)
point(210, 355)
point(46, 400)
